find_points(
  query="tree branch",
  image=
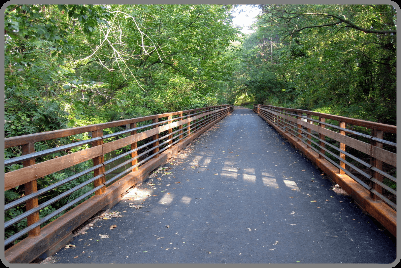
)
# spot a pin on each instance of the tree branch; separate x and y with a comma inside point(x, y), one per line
point(352, 25)
point(317, 26)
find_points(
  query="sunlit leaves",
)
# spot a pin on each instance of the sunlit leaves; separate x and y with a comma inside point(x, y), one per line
point(336, 57)
point(112, 50)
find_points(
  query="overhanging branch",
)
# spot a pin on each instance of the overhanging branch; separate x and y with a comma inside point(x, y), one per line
point(317, 26)
point(351, 24)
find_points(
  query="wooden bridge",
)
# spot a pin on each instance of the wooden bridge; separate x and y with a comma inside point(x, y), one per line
point(103, 161)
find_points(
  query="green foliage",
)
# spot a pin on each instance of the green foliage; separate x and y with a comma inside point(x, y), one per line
point(332, 57)
point(82, 64)
point(75, 65)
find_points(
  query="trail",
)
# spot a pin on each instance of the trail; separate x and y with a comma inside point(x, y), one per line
point(239, 194)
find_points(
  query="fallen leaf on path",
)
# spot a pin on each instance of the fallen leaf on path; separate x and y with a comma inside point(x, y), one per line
point(70, 246)
point(132, 205)
point(108, 216)
point(113, 227)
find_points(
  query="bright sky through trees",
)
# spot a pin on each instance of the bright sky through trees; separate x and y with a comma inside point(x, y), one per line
point(244, 16)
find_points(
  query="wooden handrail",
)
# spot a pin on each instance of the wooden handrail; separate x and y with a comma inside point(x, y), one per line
point(352, 121)
point(353, 159)
point(166, 131)
point(313, 132)
point(50, 135)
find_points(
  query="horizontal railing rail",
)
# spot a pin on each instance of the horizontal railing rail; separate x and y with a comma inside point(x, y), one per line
point(94, 158)
point(363, 150)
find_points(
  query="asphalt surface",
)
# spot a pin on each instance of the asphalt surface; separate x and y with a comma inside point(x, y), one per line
point(239, 194)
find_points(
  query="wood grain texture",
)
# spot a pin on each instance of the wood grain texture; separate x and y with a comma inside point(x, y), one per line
point(24, 175)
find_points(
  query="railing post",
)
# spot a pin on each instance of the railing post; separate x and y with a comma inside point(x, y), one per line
point(98, 160)
point(31, 187)
point(321, 136)
point(278, 118)
point(189, 123)
point(214, 114)
point(208, 116)
point(170, 137)
point(274, 116)
point(342, 147)
point(156, 137)
point(284, 120)
point(180, 127)
point(309, 142)
point(377, 163)
point(195, 123)
point(299, 117)
point(134, 145)
point(283, 123)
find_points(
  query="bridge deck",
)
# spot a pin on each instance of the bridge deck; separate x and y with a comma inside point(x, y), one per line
point(240, 194)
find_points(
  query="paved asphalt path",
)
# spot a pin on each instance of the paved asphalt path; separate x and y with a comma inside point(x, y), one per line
point(239, 194)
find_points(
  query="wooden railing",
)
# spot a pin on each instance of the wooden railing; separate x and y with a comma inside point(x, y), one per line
point(362, 150)
point(103, 161)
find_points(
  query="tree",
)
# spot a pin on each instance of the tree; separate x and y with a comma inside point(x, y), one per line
point(98, 63)
point(333, 58)
point(73, 65)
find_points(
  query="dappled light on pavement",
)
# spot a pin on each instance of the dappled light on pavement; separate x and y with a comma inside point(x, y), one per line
point(238, 194)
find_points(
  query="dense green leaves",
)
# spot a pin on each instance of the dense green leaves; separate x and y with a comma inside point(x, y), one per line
point(75, 65)
point(333, 58)
point(97, 63)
